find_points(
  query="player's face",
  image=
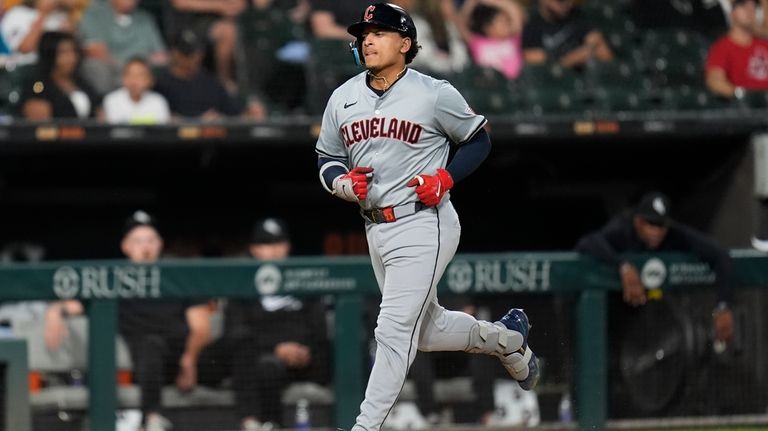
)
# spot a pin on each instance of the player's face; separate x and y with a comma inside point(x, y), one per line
point(274, 251)
point(383, 48)
point(650, 234)
point(142, 245)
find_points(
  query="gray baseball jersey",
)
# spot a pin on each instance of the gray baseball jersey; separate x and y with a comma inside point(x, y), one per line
point(401, 134)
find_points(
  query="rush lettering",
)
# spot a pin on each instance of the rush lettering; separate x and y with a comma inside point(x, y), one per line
point(381, 127)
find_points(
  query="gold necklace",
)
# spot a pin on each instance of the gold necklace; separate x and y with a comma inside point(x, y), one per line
point(386, 82)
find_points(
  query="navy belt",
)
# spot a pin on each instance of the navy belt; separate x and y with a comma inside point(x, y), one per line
point(392, 214)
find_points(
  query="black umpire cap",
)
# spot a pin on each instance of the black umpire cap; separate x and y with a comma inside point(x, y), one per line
point(654, 208)
point(269, 231)
point(386, 15)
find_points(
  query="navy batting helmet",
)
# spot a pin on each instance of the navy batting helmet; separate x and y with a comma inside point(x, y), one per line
point(385, 15)
point(389, 16)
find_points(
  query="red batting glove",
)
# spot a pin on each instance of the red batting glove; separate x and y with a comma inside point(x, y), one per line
point(432, 188)
point(353, 186)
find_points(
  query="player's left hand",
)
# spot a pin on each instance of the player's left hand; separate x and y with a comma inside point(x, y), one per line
point(722, 324)
point(432, 188)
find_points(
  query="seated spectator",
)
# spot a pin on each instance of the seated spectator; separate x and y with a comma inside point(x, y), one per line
point(113, 32)
point(558, 32)
point(214, 21)
point(135, 103)
point(57, 90)
point(165, 338)
point(22, 26)
point(191, 91)
point(329, 19)
point(650, 228)
point(492, 30)
point(442, 48)
point(272, 341)
point(738, 61)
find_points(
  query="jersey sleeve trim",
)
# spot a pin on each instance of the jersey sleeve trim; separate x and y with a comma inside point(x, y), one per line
point(337, 168)
point(474, 132)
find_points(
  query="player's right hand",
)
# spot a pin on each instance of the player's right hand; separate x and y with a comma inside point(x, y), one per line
point(353, 186)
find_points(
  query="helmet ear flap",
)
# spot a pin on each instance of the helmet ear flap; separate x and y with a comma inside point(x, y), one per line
point(354, 48)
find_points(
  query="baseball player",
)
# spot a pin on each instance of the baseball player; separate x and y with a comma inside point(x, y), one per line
point(384, 144)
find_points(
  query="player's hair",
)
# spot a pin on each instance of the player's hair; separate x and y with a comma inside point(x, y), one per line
point(411, 54)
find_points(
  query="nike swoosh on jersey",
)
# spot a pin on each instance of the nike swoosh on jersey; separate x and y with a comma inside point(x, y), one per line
point(347, 105)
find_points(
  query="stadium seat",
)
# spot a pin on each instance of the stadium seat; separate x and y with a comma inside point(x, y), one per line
point(550, 75)
point(545, 100)
point(12, 82)
point(674, 44)
point(624, 98)
point(691, 97)
point(754, 100)
point(487, 90)
point(598, 73)
point(667, 71)
point(331, 64)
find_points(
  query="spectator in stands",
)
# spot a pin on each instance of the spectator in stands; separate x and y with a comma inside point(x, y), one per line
point(113, 32)
point(558, 32)
point(214, 21)
point(329, 19)
point(165, 338)
point(442, 48)
point(738, 61)
point(193, 92)
point(285, 337)
point(650, 228)
point(23, 26)
point(135, 103)
point(57, 90)
point(492, 29)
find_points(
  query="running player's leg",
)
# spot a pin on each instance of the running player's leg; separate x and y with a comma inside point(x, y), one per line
point(447, 330)
point(411, 250)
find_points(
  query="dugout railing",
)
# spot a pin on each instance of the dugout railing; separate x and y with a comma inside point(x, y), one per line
point(350, 280)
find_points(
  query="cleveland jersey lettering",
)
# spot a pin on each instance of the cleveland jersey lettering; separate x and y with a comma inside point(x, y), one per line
point(380, 127)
